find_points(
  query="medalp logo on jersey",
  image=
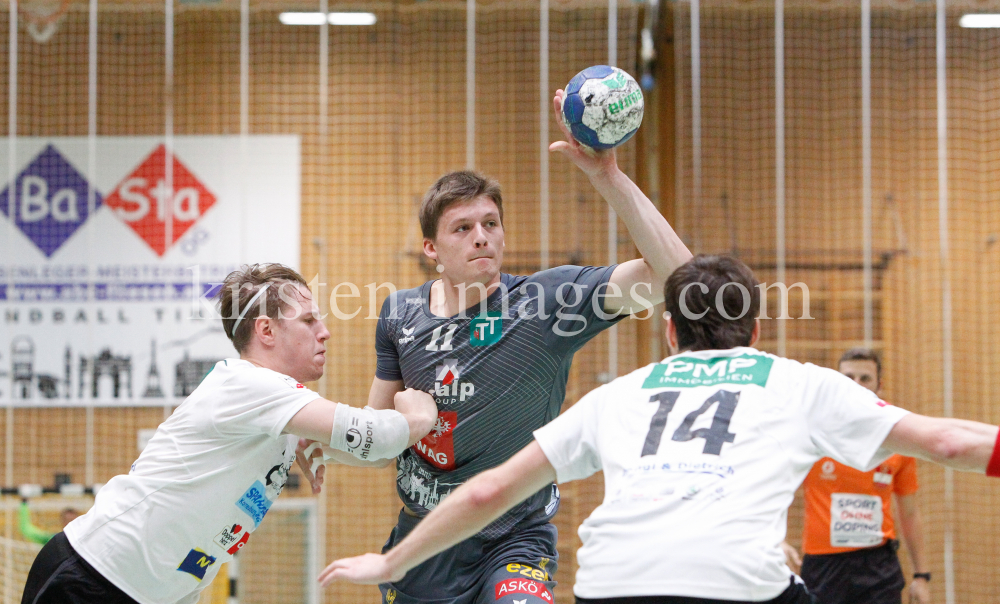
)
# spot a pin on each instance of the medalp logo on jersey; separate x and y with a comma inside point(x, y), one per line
point(48, 200)
point(485, 330)
point(143, 199)
point(448, 389)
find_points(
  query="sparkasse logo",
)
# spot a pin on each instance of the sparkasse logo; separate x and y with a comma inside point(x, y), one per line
point(448, 389)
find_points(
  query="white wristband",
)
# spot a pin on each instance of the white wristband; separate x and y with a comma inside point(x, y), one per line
point(369, 434)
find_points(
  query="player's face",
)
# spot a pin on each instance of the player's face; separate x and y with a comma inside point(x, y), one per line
point(469, 241)
point(862, 372)
point(300, 337)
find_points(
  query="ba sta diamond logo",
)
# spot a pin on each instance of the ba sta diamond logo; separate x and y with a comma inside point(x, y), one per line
point(49, 201)
point(142, 200)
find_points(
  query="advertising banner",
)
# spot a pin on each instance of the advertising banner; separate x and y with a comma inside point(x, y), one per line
point(109, 253)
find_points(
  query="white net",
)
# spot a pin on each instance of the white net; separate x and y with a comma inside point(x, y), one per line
point(17, 557)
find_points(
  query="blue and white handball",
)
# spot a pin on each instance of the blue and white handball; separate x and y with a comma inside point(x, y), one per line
point(603, 107)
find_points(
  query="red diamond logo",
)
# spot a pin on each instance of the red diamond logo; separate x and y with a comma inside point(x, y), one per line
point(142, 200)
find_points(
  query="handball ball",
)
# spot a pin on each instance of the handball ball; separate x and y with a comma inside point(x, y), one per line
point(603, 107)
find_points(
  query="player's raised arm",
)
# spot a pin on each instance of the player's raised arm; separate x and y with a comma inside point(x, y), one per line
point(464, 513)
point(640, 281)
point(957, 443)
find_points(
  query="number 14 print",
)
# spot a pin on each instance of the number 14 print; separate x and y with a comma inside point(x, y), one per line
point(715, 436)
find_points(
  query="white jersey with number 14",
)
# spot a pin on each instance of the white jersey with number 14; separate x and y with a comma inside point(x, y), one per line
point(701, 455)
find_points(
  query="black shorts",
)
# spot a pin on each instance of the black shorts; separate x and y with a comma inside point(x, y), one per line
point(865, 576)
point(518, 566)
point(795, 594)
point(60, 576)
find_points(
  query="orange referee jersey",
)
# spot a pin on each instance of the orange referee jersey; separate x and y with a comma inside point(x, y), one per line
point(847, 509)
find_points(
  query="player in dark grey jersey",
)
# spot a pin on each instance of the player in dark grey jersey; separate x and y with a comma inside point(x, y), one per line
point(495, 351)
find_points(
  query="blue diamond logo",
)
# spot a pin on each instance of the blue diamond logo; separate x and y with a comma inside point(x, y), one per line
point(49, 201)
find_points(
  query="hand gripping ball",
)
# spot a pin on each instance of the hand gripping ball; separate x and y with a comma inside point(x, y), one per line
point(603, 107)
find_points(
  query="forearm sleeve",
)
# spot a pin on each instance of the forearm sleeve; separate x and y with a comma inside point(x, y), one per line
point(369, 434)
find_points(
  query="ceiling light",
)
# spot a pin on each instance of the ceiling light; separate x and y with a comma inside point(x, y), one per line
point(352, 18)
point(301, 18)
point(331, 18)
point(980, 20)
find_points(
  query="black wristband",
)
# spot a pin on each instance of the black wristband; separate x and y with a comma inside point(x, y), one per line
point(924, 576)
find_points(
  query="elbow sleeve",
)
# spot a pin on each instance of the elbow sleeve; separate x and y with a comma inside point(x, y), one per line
point(369, 434)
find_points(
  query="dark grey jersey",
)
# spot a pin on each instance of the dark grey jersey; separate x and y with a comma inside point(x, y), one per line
point(497, 373)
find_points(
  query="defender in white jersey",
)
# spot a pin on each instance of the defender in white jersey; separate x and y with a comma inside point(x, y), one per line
point(701, 455)
point(205, 481)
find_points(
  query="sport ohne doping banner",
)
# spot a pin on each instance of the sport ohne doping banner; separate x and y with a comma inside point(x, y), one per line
point(107, 254)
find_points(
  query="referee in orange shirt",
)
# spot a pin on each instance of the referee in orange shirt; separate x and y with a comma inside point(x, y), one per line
point(849, 539)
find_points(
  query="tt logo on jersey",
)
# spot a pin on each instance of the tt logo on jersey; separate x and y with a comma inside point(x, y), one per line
point(407, 335)
point(485, 330)
point(448, 389)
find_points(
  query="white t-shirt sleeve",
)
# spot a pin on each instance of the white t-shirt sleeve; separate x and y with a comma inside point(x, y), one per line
point(259, 401)
point(847, 421)
point(570, 440)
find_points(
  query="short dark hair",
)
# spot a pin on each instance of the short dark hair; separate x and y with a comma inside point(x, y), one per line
point(863, 354)
point(452, 188)
point(242, 285)
point(698, 319)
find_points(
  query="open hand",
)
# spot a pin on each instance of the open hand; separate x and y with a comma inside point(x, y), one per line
point(591, 161)
point(367, 569)
point(309, 457)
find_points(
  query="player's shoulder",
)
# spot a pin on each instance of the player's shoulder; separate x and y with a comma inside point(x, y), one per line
point(245, 376)
point(630, 382)
point(232, 383)
point(566, 273)
point(817, 375)
point(402, 303)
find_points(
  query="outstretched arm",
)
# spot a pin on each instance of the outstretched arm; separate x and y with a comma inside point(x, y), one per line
point(956, 443)
point(28, 529)
point(640, 281)
point(366, 434)
point(461, 515)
